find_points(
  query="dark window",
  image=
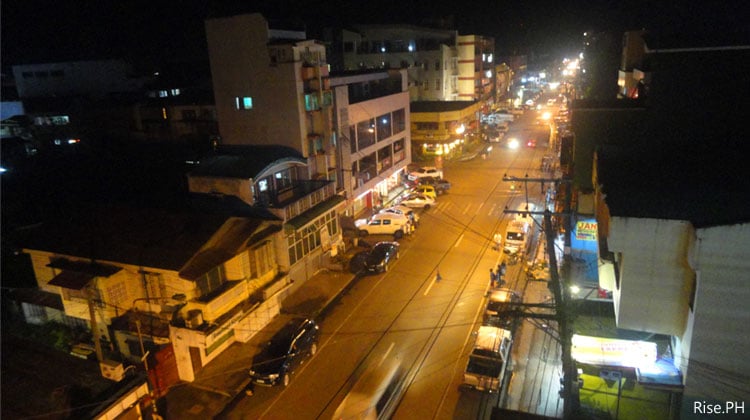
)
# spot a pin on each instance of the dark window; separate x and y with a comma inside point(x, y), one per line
point(399, 121)
point(211, 280)
point(365, 133)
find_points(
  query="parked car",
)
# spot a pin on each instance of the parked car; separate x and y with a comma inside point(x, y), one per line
point(286, 350)
point(426, 171)
point(499, 302)
point(381, 255)
point(488, 360)
point(423, 189)
point(418, 201)
point(406, 211)
point(383, 224)
point(441, 185)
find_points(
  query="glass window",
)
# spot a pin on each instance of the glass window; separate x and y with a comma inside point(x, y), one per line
point(384, 126)
point(399, 121)
point(243, 102)
point(365, 133)
point(384, 159)
point(399, 153)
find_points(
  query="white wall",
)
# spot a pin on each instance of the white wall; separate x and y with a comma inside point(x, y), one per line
point(716, 357)
point(654, 273)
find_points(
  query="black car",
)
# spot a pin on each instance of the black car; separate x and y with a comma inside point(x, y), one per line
point(288, 348)
point(381, 255)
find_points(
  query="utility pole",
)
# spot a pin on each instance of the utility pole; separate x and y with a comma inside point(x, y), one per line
point(561, 291)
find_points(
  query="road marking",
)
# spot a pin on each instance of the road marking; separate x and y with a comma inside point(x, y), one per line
point(385, 356)
point(480, 206)
point(458, 241)
point(492, 210)
point(432, 283)
point(466, 210)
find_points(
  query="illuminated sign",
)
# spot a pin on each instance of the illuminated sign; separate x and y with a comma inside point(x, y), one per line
point(586, 231)
point(612, 352)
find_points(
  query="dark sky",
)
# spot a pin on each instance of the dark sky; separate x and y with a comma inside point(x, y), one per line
point(32, 29)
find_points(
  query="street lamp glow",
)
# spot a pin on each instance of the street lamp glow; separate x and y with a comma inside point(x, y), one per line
point(461, 129)
point(575, 289)
point(513, 143)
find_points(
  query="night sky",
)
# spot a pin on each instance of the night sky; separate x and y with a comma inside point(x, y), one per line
point(45, 30)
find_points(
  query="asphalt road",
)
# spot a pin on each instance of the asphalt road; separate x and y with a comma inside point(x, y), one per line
point(420, 315)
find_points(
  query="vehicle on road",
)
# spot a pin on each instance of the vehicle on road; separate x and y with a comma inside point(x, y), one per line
point(383, 224)
point(531, 143)
point(406, 211)
point(381, 255)
point(515, 237)
point(286, 350)
point(441, 185)
point(424, 189)
point(418, 201)
point(488, 360)
point(425, 171)
point(499, 302)
point(375, 395)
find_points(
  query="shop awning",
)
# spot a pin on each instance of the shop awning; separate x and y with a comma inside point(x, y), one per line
point(75, 275)
point(71, 280)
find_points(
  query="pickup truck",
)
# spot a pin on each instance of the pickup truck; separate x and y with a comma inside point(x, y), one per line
point(488, 360)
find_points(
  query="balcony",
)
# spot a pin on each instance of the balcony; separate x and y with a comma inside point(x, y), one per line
point(312, 72)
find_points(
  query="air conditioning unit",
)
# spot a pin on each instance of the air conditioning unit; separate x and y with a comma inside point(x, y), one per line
point(112, 370)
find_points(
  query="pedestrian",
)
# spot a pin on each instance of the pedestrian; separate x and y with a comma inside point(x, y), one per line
point(501, 268)
point(493, 278)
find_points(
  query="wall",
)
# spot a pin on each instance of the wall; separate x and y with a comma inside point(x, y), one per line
point(714, 360)
point(654, 273)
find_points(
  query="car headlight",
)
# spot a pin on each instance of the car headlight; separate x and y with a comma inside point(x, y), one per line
point(251, 372)
point(273, 376)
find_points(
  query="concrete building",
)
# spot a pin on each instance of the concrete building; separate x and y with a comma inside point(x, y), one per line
point(441, 64)
point(372, 121)
point(271, 87)
point(186, 282)
point(443, 128)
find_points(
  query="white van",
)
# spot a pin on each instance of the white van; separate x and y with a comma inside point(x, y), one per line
point(515, 236)
point(375, 395)
point(384, 224)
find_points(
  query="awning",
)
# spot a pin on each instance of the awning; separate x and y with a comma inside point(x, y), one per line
point(76, 275)
point(73, 280)
point(309, 216)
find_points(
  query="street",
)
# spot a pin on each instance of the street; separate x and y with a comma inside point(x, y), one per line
point(421, 314)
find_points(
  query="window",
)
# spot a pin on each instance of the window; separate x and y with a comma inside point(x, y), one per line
point(437, 64)
point(260, 259)
point(353, 138)
point(211, 280)
point(307, 239)
point(399, 153)
point(365, 133)
point(384, 126)
point(437, 84)
point(399, 121)
point(243, 102)
point(384, 159)
point(163, 93)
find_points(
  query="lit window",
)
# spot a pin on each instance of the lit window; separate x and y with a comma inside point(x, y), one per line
point(243, 102)
point(175, 92)
point(163, 94)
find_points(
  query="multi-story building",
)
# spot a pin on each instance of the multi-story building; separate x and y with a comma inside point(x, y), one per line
point(373, 127)
point(476, 69)
point(441, 64)
point(441, 128)
point(185, 283)
point(271, 87)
